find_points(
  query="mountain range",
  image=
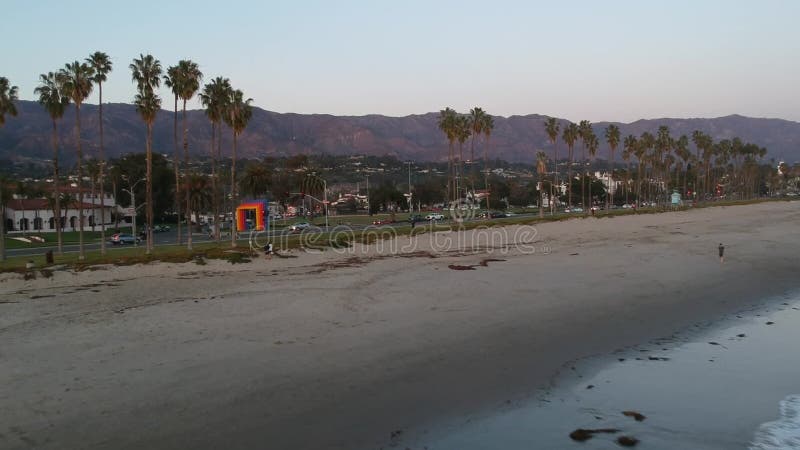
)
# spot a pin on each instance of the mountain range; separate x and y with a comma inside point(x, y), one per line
point(26, 138)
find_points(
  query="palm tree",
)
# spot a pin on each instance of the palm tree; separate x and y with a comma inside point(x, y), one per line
point(569, 136)
point(8, 98)
point(102, 66)
point(172, 81)
point(585, 132)
point(447, 124)
point(186, 80)
point(664, 145)
point(646, 142)
point(256, 180)
point(488, 127)
point(592, 145)
point(77, 85)
point(52, 98)
point(146, 73)
point(541, 170)
point(237, 117)
point(476, 120)
point(463, 131)
point(630, 145)
point(214, 97)
point(612, 137)
point(551, 128)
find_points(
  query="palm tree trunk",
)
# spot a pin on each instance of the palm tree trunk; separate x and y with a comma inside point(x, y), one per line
point(2, 224)
point(610, 182)
point(176, 165)
point(149, 182)
point(214, 179)
point(233, 192)
point(555, 177)
point(102, 177)
point(569, 178)
point(583, 176)
point(81, 254)
point(56, 189)
point(186, 181)
point(218, 156)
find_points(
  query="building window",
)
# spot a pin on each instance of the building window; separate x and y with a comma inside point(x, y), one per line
point(37, 223)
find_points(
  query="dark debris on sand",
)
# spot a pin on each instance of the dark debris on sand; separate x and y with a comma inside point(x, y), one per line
point(636, 415)
point(627, 441)
point(582, 434)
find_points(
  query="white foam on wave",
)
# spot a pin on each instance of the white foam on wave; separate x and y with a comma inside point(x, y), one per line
point(783, 433)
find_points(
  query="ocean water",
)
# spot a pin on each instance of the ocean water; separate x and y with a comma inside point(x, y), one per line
point(733, 384)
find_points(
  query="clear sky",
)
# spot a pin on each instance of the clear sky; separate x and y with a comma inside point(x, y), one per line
point(596, 60)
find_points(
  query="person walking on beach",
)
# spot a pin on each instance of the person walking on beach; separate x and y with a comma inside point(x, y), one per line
point(721, 253)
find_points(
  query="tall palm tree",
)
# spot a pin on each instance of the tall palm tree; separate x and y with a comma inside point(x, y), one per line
point(463, 131)
point(187, 80)
point(646, 142)
point(172, 80)
point(237, 117)
point(146, 73)
point(592, 145)
point(447, 124)
point(664, 143)
point(214, 97)
point(551, 128)
point(630, 145)
point(541, 170)
point(8, 98)
point(102, 66)
point(52, 98)
point(77, 85)
point(488, 127)
point(585, 133)
point(476, 119)
point(570, 135)
point(612, 137)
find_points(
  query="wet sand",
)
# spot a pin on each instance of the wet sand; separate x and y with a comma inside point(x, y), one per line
point(367, 350)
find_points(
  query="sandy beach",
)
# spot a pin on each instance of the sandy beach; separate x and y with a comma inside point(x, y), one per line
point(364, 348)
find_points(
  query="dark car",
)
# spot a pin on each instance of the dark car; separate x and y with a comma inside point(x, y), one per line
point(415, 218)
point(122, 239)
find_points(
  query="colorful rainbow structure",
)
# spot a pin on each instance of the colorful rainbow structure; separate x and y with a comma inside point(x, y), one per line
point(260, 209)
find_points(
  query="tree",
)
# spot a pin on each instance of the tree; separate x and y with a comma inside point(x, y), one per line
point(585, 132)
point(54, 100)
point(664, 145)
point(612, 137)
point(237, 117)
point(630, 146)
point(185, 84)
point(8, 100)
point(592, 145)
point(476, 121)
point(198, 192)
point(93, 170)
point(172, 80)
point(102, 66)
point(77, 85)
point(146, 73)
point(463, 131)
point(447, 124)
point(646, 142)
point(541, 170)
point(213, 98)
point(256, 180)
point(569, 136)
point(488, 127)
point(682, 151)
point(551, 128)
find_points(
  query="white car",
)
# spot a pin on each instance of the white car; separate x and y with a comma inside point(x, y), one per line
point(300, 226)
point(434, 216)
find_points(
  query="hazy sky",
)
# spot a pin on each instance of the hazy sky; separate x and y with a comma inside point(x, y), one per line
point(596, 60)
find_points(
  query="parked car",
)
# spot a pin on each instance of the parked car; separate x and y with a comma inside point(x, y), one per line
point(434, 216)
point(160, 228)
point(122, 239)
point(415, 218)
point(299, 226)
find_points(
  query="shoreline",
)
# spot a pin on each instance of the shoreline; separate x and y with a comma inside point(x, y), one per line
point(314, 352)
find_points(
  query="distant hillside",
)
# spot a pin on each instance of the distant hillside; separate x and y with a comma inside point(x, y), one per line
point(413, 137)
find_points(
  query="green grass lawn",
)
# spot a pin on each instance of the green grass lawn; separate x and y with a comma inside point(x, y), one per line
point(50, 239)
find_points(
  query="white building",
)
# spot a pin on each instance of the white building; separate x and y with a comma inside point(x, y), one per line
point(24, 215)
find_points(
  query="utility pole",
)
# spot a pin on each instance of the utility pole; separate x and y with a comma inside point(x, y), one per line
point(410, 207)
point(369, 210)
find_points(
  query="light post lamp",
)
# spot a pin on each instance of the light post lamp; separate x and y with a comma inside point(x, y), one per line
point(133, 205)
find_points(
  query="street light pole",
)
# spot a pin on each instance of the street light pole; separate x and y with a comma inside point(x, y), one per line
point(325, 198)
point(133, 205)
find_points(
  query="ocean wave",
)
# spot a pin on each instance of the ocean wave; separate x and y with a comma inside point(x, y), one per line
point(783, 433)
